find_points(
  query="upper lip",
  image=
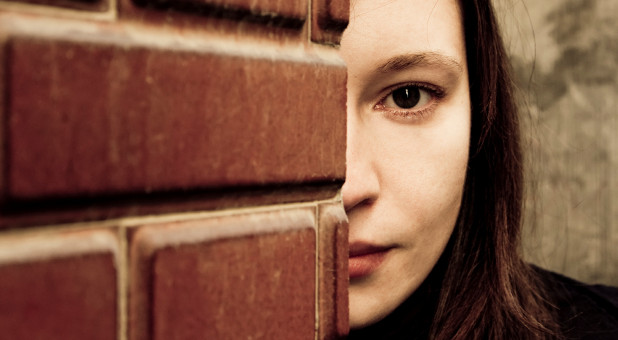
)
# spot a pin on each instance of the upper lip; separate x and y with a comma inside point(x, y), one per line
point(362, 248)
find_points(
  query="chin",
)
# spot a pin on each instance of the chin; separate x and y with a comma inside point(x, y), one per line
point(366, 309)
point(360, 320)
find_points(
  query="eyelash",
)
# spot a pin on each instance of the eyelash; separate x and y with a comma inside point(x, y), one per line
point(435, 92)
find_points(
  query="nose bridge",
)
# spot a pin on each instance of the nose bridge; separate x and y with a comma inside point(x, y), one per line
point(361, 183)
point(357, 149)
point(353, 148)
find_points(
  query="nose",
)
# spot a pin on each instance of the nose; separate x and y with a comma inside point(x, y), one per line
point(361, 187)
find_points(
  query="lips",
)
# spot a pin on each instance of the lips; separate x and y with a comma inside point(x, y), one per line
point(365, 259)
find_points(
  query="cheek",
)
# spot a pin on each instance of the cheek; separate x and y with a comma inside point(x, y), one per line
point(423, 170)
point(431, 200)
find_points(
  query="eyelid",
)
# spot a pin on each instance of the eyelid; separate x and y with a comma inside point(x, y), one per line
point(414, 114)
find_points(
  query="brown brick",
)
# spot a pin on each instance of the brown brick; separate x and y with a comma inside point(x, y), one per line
point(294, 9)
point(333, 279)
point(339, 10)
point(249, 276)
point(284, 12)
point(94, 119)
point(3, 121)
point(271, 19)
point(48, 291)
point(330, 18)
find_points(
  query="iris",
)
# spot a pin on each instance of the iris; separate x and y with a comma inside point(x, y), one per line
point(407, 97)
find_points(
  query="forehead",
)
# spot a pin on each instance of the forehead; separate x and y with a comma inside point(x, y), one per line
point(380, 29)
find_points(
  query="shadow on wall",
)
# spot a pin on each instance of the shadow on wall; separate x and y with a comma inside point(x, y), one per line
point(565, 60)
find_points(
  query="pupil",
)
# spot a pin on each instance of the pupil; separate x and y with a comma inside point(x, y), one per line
point(406, 97)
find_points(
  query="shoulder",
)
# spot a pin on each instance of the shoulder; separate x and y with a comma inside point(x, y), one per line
point(584, 311)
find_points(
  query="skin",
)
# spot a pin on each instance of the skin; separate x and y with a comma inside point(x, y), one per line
point(405, 166)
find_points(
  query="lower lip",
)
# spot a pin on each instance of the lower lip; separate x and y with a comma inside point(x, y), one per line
point(363, 265)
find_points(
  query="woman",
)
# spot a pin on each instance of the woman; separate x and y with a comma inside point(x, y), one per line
point(434, 184)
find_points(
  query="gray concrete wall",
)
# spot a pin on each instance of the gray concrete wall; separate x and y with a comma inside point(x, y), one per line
point(565, 58)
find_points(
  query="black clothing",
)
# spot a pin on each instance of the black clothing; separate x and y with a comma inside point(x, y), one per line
point(411, 320)
point(585, 312)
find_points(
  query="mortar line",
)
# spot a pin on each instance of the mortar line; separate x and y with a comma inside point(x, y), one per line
point(123, 279)
point(131, 35)
point(133, 221)
point(309, 21)
point(317, 272)
point(109, 15)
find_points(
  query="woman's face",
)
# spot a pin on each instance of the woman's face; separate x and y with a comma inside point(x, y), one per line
point(407, 152)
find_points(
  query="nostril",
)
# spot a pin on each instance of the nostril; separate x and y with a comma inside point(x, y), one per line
point(357, 195)
point(357, 205)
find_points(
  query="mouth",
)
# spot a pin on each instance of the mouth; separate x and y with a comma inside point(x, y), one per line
point(365, 259)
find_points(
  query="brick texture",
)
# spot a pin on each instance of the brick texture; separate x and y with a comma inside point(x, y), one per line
point(171, 169)
point(22, 214)
point(231, 289)
point(290, 10)
point(57, 295)
point(277, 20)
point(339, 10)
point(210, 279)
point(100, 119)
point(330, 18)
point(333, 271)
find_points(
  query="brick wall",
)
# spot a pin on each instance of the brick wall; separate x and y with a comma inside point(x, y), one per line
point(171, 169)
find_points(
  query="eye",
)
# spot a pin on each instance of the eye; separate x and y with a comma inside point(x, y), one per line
point(407, 97)
point(410, 101)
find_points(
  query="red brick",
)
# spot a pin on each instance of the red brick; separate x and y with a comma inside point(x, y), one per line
point(271, 19)
point(94, 119)
point(261, 8)
point(333, 279)
point(330, 18)
point(3, 125)
point(250, 276)
point(49, 292)
point(339, 10)
point(294, 9)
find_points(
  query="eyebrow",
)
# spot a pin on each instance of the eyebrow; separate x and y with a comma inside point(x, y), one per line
point(432, 59)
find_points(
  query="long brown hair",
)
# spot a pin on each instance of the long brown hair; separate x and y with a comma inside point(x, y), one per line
point(488, 291)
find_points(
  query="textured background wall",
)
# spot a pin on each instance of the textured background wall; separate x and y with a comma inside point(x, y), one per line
point(565, 55)
point(171, 169)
